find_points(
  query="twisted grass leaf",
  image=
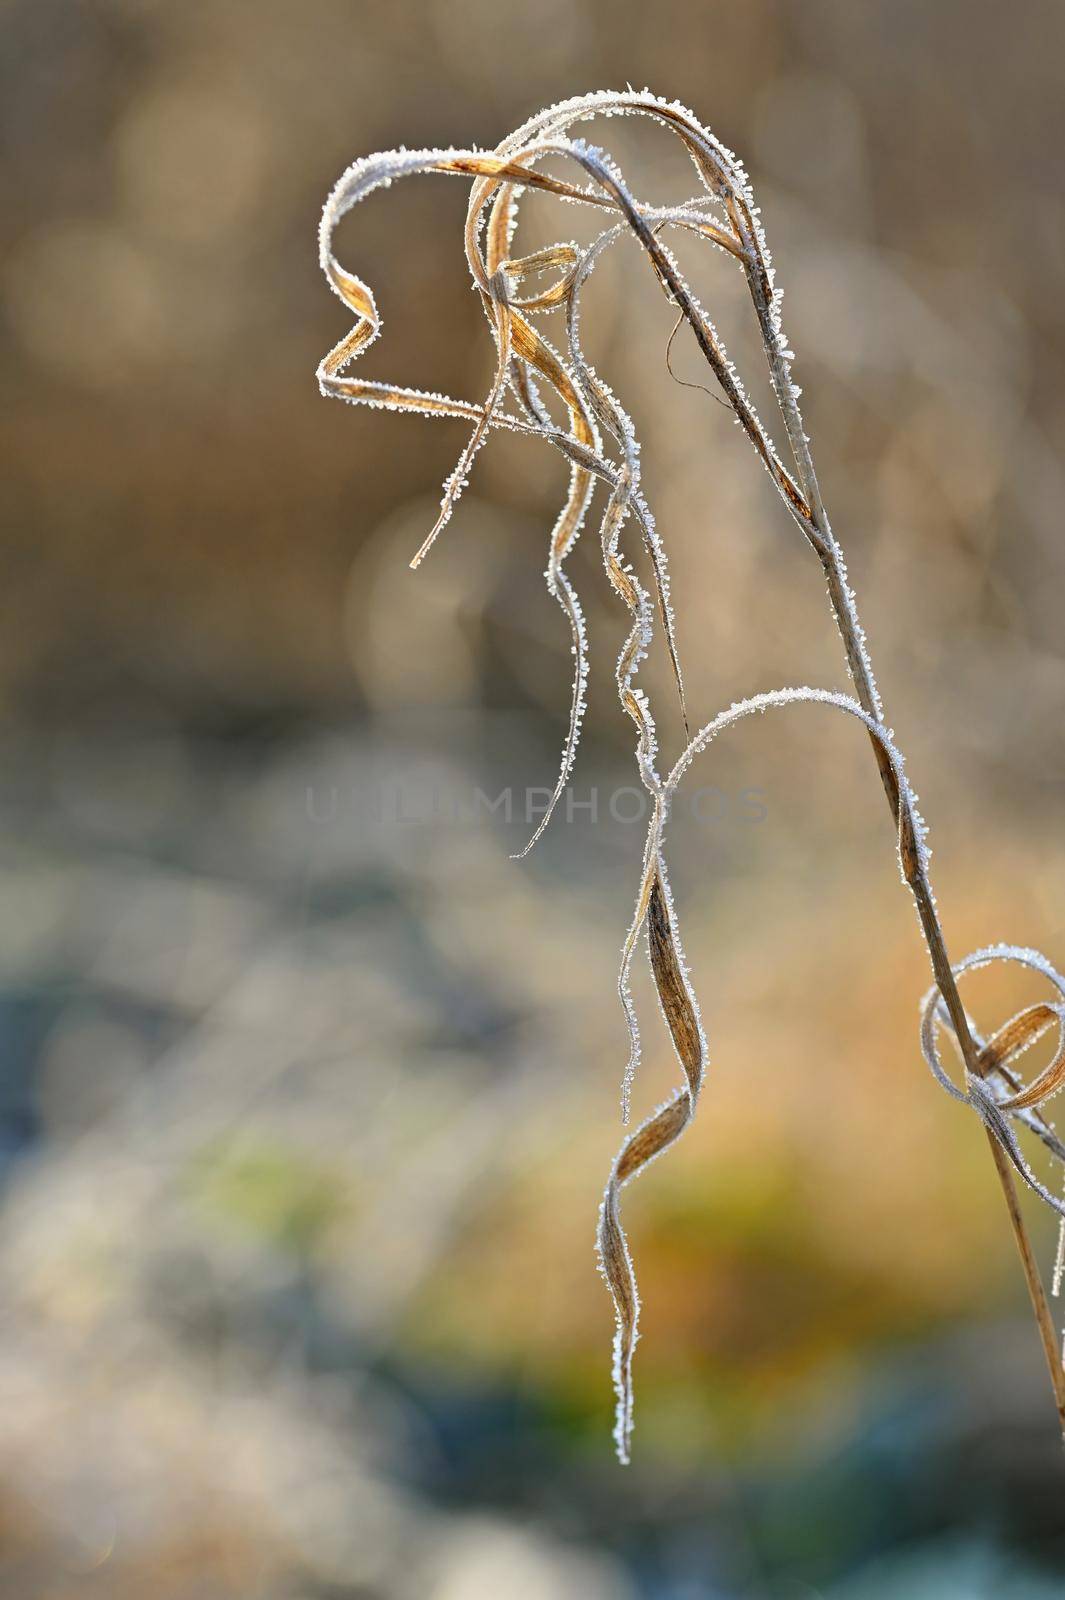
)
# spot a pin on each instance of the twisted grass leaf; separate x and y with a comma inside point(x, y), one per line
point(650, 1139)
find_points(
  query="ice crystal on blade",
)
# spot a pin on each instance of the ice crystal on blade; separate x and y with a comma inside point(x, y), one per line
point(599, 444)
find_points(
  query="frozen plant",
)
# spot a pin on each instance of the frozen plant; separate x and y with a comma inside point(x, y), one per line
point(601, 448)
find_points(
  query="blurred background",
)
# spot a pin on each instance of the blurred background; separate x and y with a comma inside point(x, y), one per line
point(308, 1091)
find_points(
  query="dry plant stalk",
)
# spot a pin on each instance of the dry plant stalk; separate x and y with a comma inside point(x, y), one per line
point(601, 448)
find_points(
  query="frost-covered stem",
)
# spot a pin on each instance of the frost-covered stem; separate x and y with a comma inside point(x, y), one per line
point(1044, 1321)
point(917, 878)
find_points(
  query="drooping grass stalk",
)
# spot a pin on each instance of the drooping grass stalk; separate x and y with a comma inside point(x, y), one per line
point(601, 447)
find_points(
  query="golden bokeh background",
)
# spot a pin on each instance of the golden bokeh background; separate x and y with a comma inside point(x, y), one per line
point(309, 1091)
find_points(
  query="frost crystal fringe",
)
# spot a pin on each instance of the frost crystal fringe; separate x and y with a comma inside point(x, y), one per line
point(601, 447)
